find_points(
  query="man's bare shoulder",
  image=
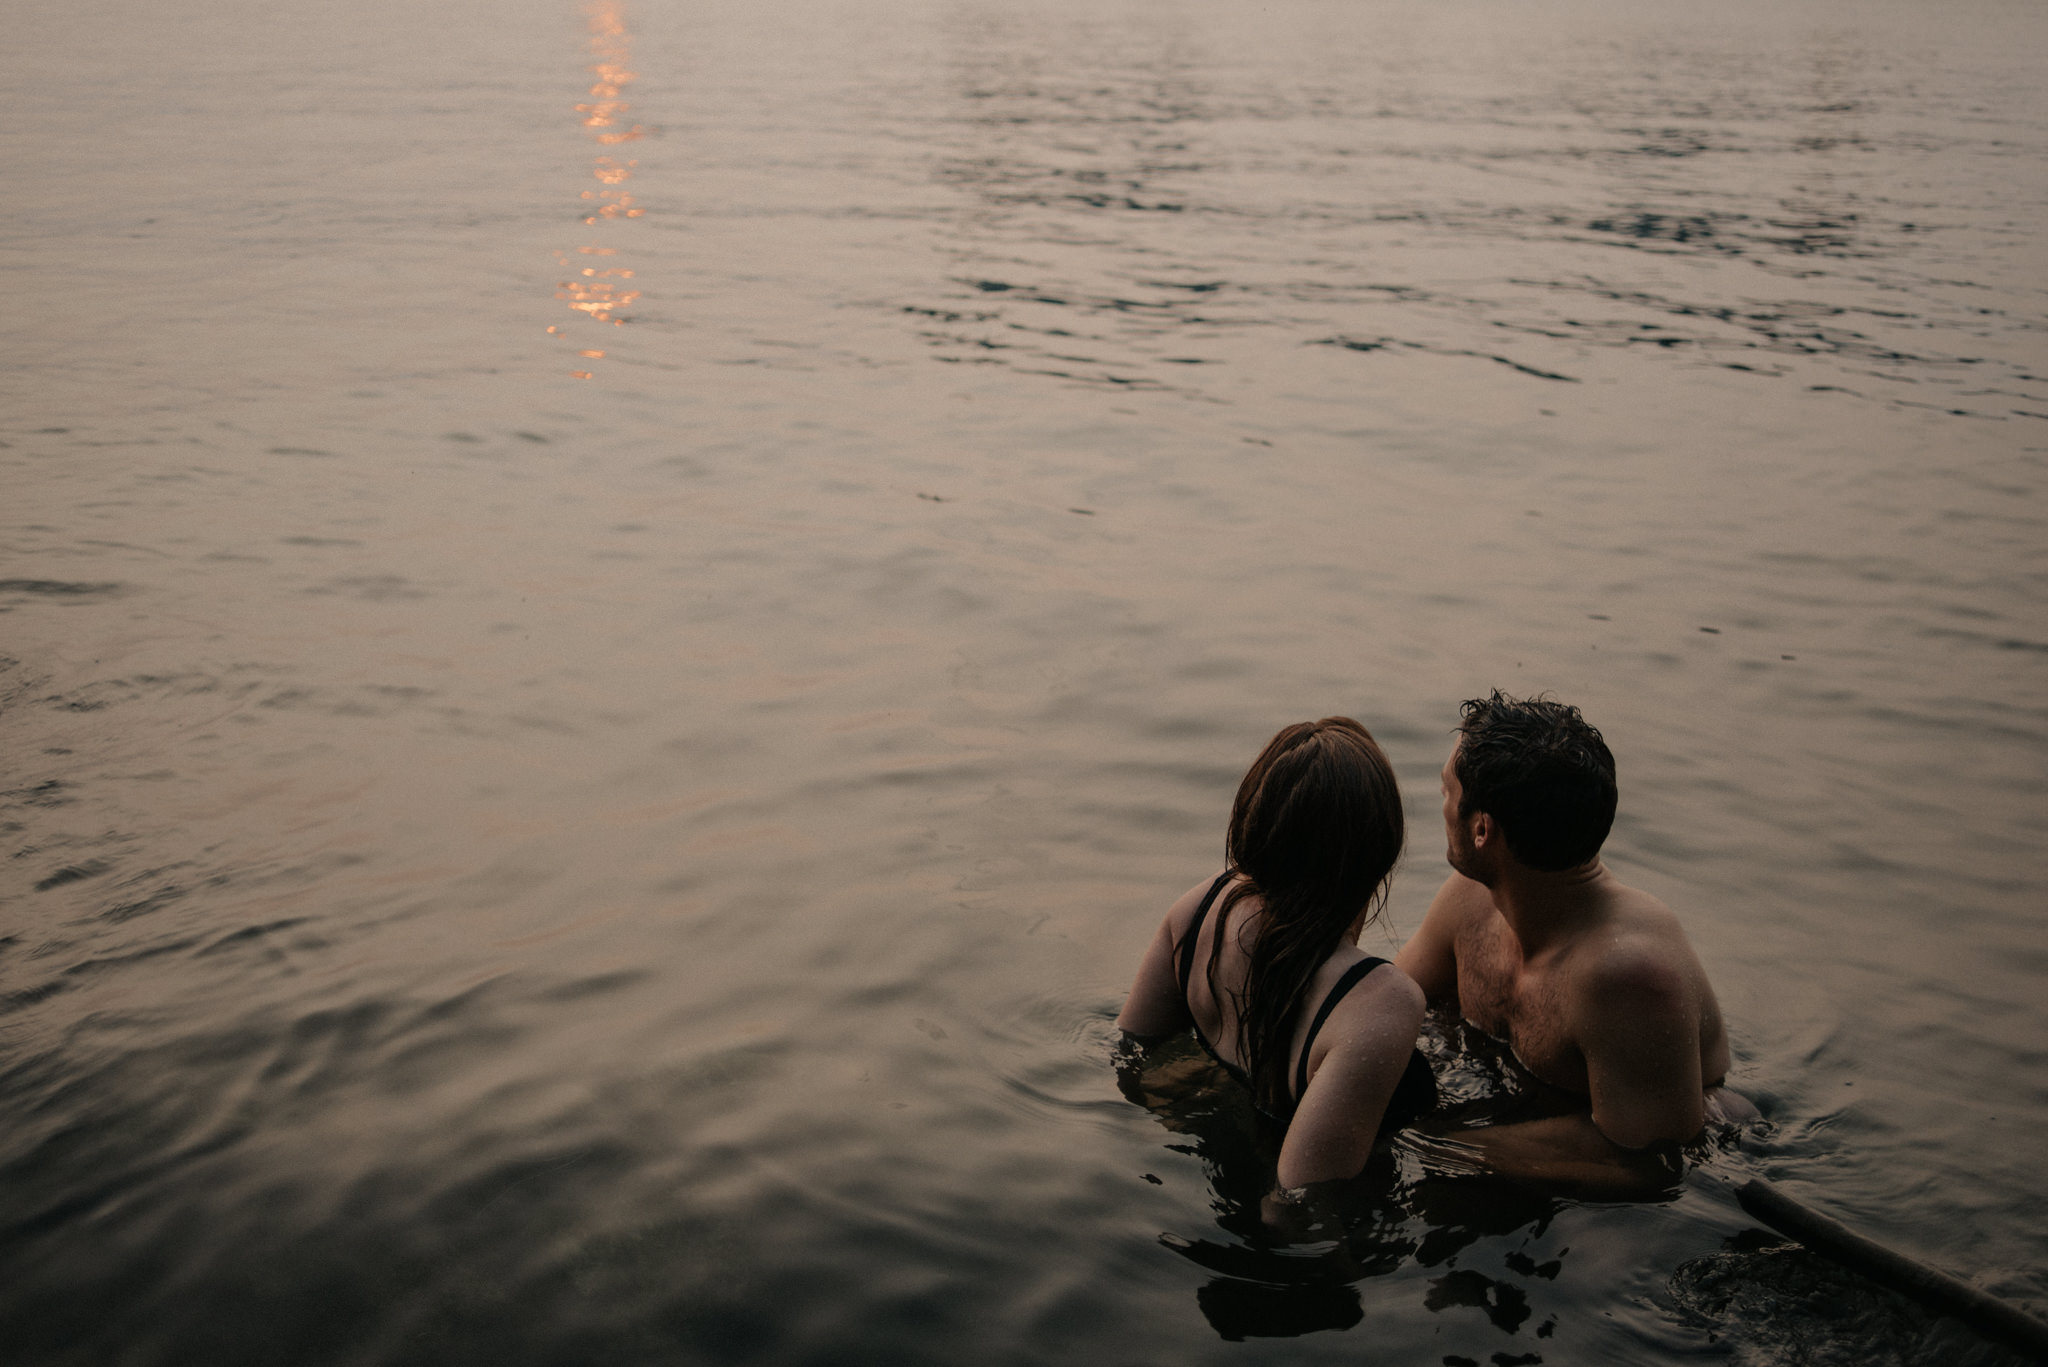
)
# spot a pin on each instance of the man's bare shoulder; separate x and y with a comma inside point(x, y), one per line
point(1637, 922)
point(1462, 901)
point(1639, 958)
point(1627, 973)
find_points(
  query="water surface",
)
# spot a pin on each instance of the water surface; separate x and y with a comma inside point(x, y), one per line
point(618, 622)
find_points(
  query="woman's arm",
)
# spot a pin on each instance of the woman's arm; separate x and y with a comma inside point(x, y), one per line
point(1370, 1034)
point(1155, 1007)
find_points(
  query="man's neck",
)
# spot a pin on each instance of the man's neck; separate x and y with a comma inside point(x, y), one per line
point(1547, 909)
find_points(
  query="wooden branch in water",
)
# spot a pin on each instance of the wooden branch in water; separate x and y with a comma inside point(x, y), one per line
point(1982, 1311)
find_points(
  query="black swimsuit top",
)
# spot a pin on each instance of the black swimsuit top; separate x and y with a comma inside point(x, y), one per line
point(1414, 1094)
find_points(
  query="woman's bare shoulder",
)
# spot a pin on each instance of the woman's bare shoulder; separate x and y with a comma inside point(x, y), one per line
point(1184, 907)
point(1384, 996)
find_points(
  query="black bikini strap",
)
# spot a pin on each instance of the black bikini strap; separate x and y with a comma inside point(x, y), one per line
point(1187, 945)
point(1351, 978)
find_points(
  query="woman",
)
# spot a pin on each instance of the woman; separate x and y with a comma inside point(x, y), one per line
point(1264, 964)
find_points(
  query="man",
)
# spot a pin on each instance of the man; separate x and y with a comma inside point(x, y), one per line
point(1591, 983)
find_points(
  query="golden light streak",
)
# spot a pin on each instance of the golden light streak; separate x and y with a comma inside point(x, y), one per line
point(596, 293)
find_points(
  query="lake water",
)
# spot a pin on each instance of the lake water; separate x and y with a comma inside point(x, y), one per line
point(619, 620)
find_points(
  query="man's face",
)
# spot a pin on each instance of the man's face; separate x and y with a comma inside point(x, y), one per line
point(1459, 851)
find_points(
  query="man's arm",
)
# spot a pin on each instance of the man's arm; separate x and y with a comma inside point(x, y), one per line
point(1565, 1150)
point(1639, 1029)
point(1430, 956)
point(1636, 1020)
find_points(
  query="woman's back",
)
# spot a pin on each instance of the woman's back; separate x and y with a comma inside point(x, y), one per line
point(1212, 1007)
point(1252, 959)
point(1351, 1067)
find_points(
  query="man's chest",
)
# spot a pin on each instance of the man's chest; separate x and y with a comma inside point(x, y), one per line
point(1525, 1006)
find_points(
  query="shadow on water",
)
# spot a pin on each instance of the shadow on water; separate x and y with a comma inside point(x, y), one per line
point(1282, 1271)
point(1286, 1270)
point(1267, 1283)
point(1773, 1303)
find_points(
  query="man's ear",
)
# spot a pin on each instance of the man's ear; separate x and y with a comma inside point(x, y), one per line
point(1482, 830)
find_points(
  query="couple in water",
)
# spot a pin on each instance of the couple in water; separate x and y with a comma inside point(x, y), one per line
point(1592, 984)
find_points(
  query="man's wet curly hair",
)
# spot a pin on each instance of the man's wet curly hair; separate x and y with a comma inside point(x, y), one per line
point(1541, 772)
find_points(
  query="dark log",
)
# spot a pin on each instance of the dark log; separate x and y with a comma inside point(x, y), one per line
point(1933, 1288)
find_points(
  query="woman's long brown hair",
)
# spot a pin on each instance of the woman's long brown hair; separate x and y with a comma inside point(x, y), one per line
point(1315, 833)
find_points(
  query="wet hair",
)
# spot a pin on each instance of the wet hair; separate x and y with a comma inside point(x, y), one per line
point(1542, 773)
point(1315, 833)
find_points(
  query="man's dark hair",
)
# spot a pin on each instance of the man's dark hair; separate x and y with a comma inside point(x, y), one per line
point(1542, 773)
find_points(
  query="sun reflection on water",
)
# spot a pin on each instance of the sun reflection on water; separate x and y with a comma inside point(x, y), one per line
point(596, 289)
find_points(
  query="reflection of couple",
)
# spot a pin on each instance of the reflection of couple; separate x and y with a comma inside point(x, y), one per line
point(1591, 983)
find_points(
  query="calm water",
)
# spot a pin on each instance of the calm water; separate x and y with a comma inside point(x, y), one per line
point(618, 621)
